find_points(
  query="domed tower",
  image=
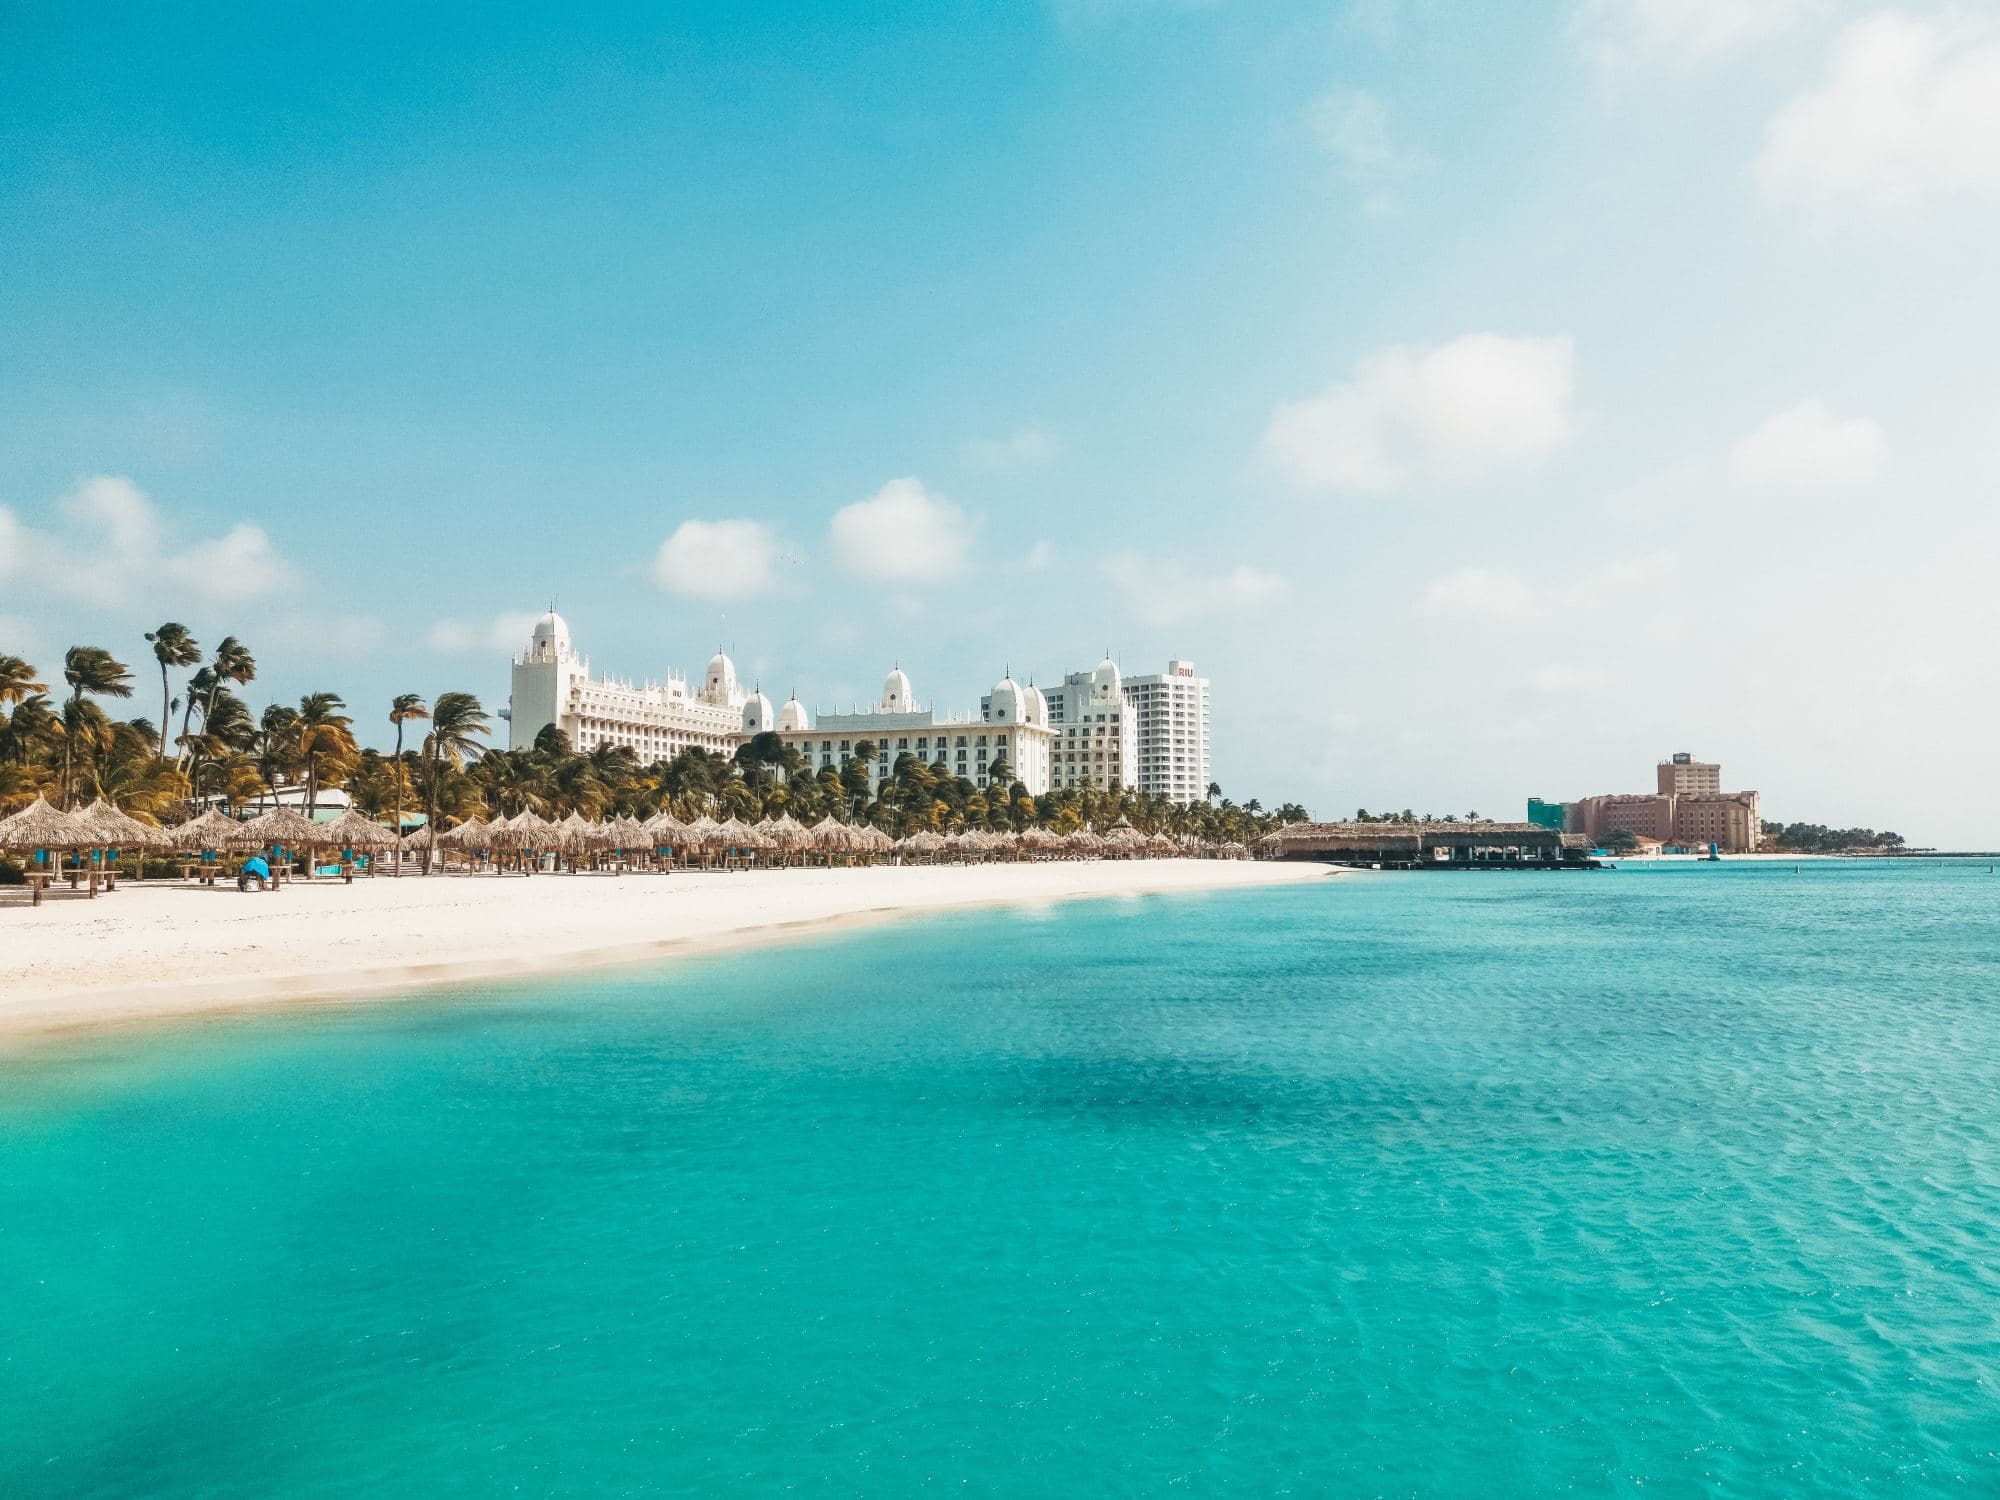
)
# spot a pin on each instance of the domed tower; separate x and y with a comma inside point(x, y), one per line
point(1007, 704)
point(896, 695)
point(793, 715)
point(1105, 684)
point(758, 715)
point(550, 642)
point(719, 685)
point(1034, 707)
point(545, 679)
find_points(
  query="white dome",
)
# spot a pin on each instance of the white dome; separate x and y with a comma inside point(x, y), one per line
point(1105, 681)
point(719, 685)
point(793, 715)
point(1007, 705)
point(897, 697)
point(551, 633)
point(758, 716)
point(1034, 707)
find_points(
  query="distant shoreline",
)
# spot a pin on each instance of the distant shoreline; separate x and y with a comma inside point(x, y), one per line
point(157, 951)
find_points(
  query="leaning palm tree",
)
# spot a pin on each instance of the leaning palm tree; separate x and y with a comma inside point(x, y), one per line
point(323, 731)
point(173, 646)
point(90, 669)
point(233, 663)
point(17, 680)
point(402, 708)
point(456, 721)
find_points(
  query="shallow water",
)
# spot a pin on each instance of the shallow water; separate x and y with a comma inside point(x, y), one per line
point(1681, 1180)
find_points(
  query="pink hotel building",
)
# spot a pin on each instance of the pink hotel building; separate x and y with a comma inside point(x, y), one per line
point(1689, 807)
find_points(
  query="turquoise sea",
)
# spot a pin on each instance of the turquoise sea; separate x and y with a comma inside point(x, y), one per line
point(1677, 1182)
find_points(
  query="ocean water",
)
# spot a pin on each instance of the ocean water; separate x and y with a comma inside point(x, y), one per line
point(1676, 1182)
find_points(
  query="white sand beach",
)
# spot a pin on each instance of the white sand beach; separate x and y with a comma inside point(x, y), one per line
point(156, 950)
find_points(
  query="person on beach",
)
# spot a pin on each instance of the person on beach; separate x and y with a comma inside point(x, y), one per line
point(254, 868)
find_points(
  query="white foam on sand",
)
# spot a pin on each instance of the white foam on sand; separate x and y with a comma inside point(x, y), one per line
point(155, 950)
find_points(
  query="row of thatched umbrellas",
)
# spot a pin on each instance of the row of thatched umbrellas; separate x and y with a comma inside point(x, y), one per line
point(102, 831)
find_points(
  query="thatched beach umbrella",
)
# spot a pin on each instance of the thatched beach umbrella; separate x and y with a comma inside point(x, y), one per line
point(354, 830)
point(119, 829)
point(925, 845)
point(473, 835)
point(280, 826)
point(1159, 843)
point(38, 827)
point(205, 834)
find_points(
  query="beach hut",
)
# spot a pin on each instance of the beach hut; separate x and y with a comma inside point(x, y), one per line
point(352, 832)
point(44, 833)
point(118, 832)
point(532, 837)
point(789, 835)
point(830, 836)
point(1160, 844)
point(280, 829)
point(665, 834)
point(206, 837)
point(924, 846)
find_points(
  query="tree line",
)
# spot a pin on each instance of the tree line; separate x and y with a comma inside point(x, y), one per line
point(208, 748)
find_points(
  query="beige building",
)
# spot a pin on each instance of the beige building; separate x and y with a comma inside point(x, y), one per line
point(1681, 775)
point(1690, 808)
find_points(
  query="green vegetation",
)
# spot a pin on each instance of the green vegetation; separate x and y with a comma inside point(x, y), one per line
point(224, 754)
point(1817, 838)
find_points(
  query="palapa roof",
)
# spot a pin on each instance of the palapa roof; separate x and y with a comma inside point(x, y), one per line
point(473, 833)
point(281, 826)
point(831, 836)
point(354, 830)
point(41, 826)
point(212, 830)
point(118, 828)
point(664, 828)
point(789, 833)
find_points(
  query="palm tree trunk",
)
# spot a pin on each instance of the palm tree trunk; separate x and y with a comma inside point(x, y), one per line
point(399, 795)
point(166, 707)
point(430, 815)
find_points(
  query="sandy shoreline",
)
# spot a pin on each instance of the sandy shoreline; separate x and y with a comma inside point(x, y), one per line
point(157, 951)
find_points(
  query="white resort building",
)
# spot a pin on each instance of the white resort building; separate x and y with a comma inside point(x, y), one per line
point(1172, 709)
point(552, 685)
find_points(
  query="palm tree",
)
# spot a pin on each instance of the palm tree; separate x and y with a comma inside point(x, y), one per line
point(323, 731)
point(17, 680)
point(402, 708)
point(90, 669)
point(456, 721)
point(173, 646)
point(233, 663)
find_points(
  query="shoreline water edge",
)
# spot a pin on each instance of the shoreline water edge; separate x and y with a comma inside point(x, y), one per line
point(160, 952)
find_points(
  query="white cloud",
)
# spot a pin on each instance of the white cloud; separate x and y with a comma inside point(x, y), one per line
point(112, 540)
point(1686, 30)
point(1165, 591)
point(901, 534)
point(1497, 597)
point(508, 632)
point(1907, 109)
point(1352, 126)
point(1808, 448)
point(235, 566)
point(1030, 448)
point(1480, 592)
point(1445, 414)
point(1039, 556)
point(717, 560)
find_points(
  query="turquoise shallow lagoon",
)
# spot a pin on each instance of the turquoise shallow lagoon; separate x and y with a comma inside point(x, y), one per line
point(1678, 1182)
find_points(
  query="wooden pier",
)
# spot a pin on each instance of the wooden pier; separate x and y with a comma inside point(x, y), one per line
point(1430, 846)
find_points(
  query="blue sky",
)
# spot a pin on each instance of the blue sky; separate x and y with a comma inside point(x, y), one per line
point(1490, 399)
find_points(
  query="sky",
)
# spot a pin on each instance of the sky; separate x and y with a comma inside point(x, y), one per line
point(1490, 400)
